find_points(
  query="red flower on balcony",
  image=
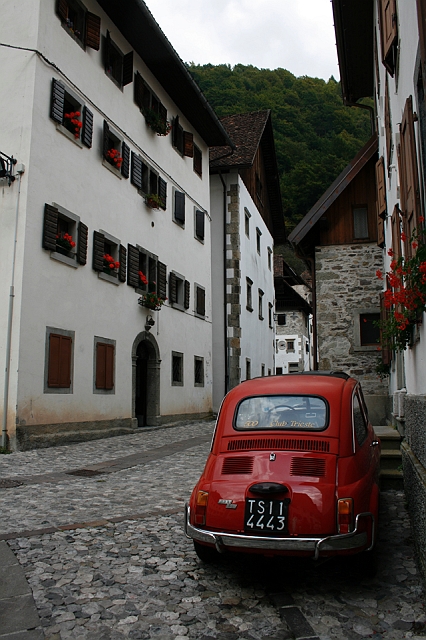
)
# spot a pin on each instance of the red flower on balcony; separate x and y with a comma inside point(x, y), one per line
point(113, 156)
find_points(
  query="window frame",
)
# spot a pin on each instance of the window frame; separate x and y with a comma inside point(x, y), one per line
point(113, 140)
point(178, 283)
point(180, 382)
point(123, 60)
point(360, 208)
point(249, 294)
point(260, 295)
point(200, 360)
point(357, 315)
point(247, 216)
point(258, 242)
point(77, 256)
point(116, 250)
point(91, 28)
point(61, 96)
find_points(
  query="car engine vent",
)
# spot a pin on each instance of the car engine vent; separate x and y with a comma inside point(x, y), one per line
point(279, 444)
point(308, 467)
point(242, 464)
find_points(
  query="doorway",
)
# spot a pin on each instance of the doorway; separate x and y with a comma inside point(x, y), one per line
point(142, 358)
point(146, 380)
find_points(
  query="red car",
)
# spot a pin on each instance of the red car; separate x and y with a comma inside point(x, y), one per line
point(293, 470)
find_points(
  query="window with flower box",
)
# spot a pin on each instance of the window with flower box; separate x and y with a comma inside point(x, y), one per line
point(116, 153)
point(118, 66)
point(145, 272)
point(182, 141)
point(199, 224)
point(71, 116)
point(179, 207)
point(59, 354)
point(104, 366)
point(109, 257)
point(148, 182)
point(64, 235)
point(154, 112)
point(179, 291)
point(83, 26)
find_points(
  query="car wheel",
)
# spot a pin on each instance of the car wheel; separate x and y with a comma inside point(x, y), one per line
point(206, 554)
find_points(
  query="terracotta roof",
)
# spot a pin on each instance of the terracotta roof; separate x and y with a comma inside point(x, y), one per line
point(245, 131)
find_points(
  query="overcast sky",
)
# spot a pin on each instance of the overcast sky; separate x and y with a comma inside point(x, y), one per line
point(292, 34)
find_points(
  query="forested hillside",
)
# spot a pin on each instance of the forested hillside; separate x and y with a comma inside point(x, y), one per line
point(315, 134)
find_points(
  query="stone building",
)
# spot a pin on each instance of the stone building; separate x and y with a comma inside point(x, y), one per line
point(339, 239)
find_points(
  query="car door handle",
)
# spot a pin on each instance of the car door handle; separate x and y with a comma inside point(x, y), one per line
point(375, 443)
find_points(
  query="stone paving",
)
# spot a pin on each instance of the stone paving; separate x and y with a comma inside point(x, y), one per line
point(115, 563)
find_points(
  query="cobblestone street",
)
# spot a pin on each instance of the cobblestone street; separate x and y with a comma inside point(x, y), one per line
point(105, 555)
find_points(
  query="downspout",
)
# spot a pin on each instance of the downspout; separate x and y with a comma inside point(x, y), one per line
point(20, 171)
point(225, 312)
point(368, 108)
point(314, 312)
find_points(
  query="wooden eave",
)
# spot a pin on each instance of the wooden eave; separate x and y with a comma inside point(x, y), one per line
point(354, 28)
point(334, 191)
point(138, 26)
point(286, 298)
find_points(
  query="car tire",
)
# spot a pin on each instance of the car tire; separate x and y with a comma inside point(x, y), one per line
point(206, 554)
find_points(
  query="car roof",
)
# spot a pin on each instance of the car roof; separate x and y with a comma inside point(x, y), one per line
point(311, 382)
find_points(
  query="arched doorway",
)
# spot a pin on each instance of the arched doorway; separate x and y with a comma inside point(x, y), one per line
point(146, 380)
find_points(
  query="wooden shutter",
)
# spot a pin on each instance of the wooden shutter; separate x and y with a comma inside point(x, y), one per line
point(201, 301)
point(87, 132)
point(136, 171)
point(93, 31)
point(388, 33)
point(146, 97)
point(145, 177)
point(380, 232)
point(199, 224)
point(62, 9)
point(105, 366)
point(127, 68)
point(153, 182)
point(396, 233)
point(106, 141)
point(384, 315)
point(98, 251)
point(50, 227)
point(177, 135)
point(162, 280)
point(162, 112)
point(82, 236)
point(57, 101)
point(187, 294)
point(388, 124)
point(421, 18)
point(107, 51)
point(188, 144)
point(381, 188)
point(180, 206)
point(138, 89)
point(122, 258)
point(409, 180)
point(132, 266)
point(172, 287)
point(162, 191)
point(198, 161)
point(59, 365)
point(125, 154)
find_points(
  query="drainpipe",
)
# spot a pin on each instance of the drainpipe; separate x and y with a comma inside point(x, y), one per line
point(314, 312)
point(20, 170)
point(225, 314)
point(368, 108)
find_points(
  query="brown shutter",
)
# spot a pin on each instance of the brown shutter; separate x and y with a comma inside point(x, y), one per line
point(82, 235)
point(50, 227)
point(98, 251)
point(384, 314)
point(136, 171)
point(93, 31)
point(162, 191)
point(396, 233)
point(388, 33)
point(138, 89)
point(188, 144)
point(187, 294)
point(380, 232)
point(57, 101)
point(172, 287)
point(106, 141)
point(87, 132)
point(409, 180)
point(107, 51)
point(59, 366)
point(201, 301)
point(162, 280)
point(198, 161)
point(122, 258)
point(381, 188)
point(62, 9)
point(162, 112)
point(125, 154)
point(388, 124)
point(127, 68)
point(132, 266)
point(104, 366)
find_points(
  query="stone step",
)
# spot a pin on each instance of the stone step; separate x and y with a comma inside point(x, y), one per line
point(391, 459)
point(389, 437)
point(391, 479)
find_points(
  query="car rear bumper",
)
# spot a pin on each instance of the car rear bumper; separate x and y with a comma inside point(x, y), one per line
point(316, 545)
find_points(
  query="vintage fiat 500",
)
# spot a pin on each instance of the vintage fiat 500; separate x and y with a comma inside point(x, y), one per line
point(293, 470)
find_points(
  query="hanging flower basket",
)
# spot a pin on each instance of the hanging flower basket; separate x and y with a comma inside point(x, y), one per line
point(153, 201)
point(151, 300)
point(155, 122)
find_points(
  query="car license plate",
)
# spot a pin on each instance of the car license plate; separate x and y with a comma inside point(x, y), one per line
point(266, 516)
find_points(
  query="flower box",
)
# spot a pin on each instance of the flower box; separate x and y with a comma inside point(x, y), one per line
point(153, 201)
point(151, 301)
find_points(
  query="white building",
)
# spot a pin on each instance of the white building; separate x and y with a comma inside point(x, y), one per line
point(247, 219)
point(84, 86)
point(382, 54)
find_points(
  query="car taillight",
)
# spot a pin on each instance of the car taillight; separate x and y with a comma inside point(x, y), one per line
point(201, 507)
point(345, 515)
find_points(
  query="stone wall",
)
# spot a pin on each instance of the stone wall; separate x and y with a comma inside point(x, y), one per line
point(233, 284)
point(346, 285)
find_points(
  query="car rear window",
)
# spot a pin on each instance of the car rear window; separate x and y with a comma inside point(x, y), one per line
point(309, 413)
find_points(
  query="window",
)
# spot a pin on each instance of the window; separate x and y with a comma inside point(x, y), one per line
point(262, 370)
point(198, 371)
point(260, 304)
point(59, 359)
point(281, 319)
point(258, 235)
point(104, 365)
point(388, 33)
point(269, 258)
point(200, 301)
point(247, 216)
point(179, 207)
point(249, 301)
point(248, 369)
point(61, 230)
point(148, 182)
point(409, 179)
point(118, 67)
point(279, 371)
point(177, 369)
point(154, 111)
point(359, 420)
point(269, 372)
point(270, 315)
point(259, 188)
point(308, 413)
point(360, 218)
point(109, 257)
point(72, 117)
point(116, 153)
point(369, 332)
point(199, 224)
point(145, 272)
point(179, 291)
point(198, 161)
point(293, 367)
point(182, 141)
point(83, 26)
point(290, 346)
point(380, 200)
